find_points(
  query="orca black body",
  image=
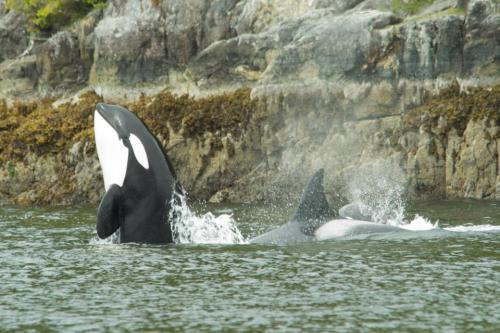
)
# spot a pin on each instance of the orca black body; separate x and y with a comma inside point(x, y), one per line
point(138, 177)
point(314, 220)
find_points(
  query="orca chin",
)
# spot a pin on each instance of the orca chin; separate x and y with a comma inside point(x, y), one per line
point(314, 220)
point(112, 153)
point(138, 178)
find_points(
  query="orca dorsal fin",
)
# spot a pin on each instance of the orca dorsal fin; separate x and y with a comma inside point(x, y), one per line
point(313, 210)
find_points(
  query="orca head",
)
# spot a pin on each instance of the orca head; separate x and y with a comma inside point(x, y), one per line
point(116, 134)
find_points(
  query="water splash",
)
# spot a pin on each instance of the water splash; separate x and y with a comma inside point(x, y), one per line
point(419, 223)
point(475, 228)
point(187, 227)
point(111, 240)
point(379, 192)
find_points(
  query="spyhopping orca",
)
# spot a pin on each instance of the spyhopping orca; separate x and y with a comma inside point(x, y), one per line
point(138, 178)
point(315, 220)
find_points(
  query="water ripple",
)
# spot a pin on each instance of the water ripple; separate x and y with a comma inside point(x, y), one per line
point(53, 279)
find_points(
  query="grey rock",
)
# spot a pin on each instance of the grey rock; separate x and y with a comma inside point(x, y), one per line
point(474, 174)
point(128, 43)
point(338, 5)
point(478, 11)
point(429, 48)
point(331, 46)
point(18, 77)
point(258, 15)
point(14, 38)
point(137, 41)
point(438, 6)
point(482, 41)
point(59, 62)
point(317, 45)
point(382, 5)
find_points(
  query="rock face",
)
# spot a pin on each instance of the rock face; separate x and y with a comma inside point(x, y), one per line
point(58, 62)
point(341, 85)
point(13, 36)
point(139, 41)
point(70, 177)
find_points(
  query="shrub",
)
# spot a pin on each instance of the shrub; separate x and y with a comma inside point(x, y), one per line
point(52, 15)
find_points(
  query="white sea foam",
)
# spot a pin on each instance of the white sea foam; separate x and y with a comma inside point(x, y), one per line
point(187, 227)
point(475, 228)
point(419, 223)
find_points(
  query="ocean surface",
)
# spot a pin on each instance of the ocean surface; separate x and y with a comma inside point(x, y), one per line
point(444, 276)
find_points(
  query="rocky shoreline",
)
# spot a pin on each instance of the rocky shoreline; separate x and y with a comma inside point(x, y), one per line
point(251, 97)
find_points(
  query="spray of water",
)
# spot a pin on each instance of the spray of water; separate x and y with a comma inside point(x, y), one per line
point(187, 227)
point(111, 240)
point(379, 192)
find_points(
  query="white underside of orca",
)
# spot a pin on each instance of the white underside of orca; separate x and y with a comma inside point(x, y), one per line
point(290, 232)
point(112, 154)
point(346, 228)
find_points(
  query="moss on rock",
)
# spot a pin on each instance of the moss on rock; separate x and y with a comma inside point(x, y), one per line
point(456, 107)
point(192, 117)
point(42, 128)
point(47, 149)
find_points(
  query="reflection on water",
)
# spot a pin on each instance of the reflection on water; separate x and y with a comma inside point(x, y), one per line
point(55, 279)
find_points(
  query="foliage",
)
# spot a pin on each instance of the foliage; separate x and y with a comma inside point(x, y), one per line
point(52, 15)
point(410, 6)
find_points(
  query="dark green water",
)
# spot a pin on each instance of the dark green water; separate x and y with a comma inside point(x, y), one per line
point(54, 279)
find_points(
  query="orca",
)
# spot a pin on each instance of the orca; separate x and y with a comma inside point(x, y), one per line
point(355, 211)
point(314, 220)
point(139, 180)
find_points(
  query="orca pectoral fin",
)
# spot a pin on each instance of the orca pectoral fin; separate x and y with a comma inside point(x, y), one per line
point(108, 214)
point(313, 209)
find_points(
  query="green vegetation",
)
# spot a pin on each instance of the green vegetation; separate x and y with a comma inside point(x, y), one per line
point(457, 108)
point(52, 15)
point(410, 6)
point(11, 170)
